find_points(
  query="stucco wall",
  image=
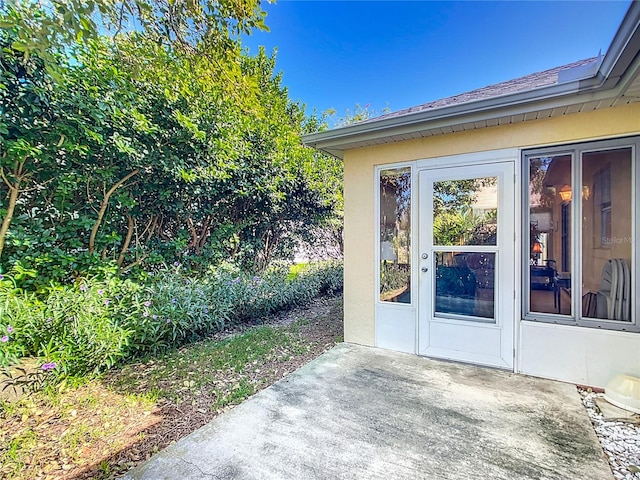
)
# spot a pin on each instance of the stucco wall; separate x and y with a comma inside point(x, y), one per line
point(359, 281)
point(359, 188)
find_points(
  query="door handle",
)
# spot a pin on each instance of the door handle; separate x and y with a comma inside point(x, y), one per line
point(425, 269)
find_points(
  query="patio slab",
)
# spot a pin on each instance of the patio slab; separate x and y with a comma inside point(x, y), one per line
point(364, 413)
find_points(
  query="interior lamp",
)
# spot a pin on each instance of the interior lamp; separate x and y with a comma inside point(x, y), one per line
point(565, 193)
point(536, 248)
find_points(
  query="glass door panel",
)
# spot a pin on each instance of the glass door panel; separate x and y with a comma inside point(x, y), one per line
point(395, 235)
point(464, 285)
point(465, 212)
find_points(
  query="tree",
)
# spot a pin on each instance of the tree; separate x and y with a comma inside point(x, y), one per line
point(141, 157)
point(207, 26)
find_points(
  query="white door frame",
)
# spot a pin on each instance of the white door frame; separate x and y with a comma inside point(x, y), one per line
point(491, 344)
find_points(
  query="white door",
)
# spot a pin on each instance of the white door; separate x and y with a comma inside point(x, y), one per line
point(467, 264)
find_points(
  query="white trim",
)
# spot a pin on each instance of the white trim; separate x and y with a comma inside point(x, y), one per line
point(335, 142)
point(415, 238)
point(468, 159)
point(517, 246)
point(473, 358)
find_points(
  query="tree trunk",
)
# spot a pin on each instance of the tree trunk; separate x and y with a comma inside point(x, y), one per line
point(194, 235)
point(127, 240)
point(6, 222)
point(103, 209)
point(204, 233)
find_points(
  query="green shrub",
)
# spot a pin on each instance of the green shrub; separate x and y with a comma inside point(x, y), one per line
point(81, 328)
point(96, 323)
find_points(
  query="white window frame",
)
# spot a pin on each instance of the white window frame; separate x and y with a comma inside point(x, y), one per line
point(576, 151)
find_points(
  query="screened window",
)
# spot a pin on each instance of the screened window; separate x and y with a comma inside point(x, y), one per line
point(580, 248)
point(395, 235)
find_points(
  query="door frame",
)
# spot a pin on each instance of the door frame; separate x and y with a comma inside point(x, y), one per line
point(503, 165)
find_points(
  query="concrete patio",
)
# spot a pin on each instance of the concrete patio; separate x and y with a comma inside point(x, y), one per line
point(364, 413)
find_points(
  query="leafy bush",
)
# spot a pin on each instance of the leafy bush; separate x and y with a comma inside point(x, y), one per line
point(195, 307)
point(96, 323)
point(393, 277)
point(81, 328)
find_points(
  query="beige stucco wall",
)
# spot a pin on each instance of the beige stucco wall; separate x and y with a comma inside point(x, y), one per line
point(359, 166)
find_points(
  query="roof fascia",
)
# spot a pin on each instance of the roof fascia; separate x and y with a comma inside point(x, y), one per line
point(624, 46)
point(451, 115)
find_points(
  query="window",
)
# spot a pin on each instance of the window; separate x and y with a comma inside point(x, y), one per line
point(607, 251)
point(580, 215)
point(465, 214)
point(549, 232)
point(395, 235)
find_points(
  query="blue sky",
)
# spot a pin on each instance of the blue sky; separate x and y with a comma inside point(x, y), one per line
point(396, 54)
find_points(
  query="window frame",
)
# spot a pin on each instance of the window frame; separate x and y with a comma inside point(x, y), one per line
point(576, 151)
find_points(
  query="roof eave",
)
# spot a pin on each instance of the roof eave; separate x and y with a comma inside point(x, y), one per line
point(330, 141)
point(624, 46)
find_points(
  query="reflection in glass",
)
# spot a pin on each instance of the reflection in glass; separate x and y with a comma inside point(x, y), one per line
point(606, 234)
point(395, 235)
point(550, 242)
point(465, 212)
point(465, 284)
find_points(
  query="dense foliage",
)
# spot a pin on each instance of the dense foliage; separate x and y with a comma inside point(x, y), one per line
point(206, 27)
point(91, 326)
point(136, 156)
point(160, 144)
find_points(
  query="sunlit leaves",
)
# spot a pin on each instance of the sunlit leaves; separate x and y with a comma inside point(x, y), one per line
point(47, 28)
point(147, 152)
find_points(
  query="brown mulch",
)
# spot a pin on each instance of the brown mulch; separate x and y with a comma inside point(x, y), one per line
point(102, 429)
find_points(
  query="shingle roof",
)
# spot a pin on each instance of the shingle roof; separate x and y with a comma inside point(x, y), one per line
point(528, 82)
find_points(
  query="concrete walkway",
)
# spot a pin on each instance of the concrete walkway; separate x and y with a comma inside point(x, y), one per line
point(364, 413)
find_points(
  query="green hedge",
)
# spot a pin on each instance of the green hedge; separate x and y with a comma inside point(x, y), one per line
point(95, 324)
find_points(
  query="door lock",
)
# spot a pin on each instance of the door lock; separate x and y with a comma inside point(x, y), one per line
point(425, 256)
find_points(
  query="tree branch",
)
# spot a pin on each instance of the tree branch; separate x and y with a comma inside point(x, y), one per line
point(13, 200)
point(131, 265)
point(103, 209)
point(127, 239)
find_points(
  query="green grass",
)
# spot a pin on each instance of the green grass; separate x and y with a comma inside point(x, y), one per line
point(181, 374)
point(297, 269)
